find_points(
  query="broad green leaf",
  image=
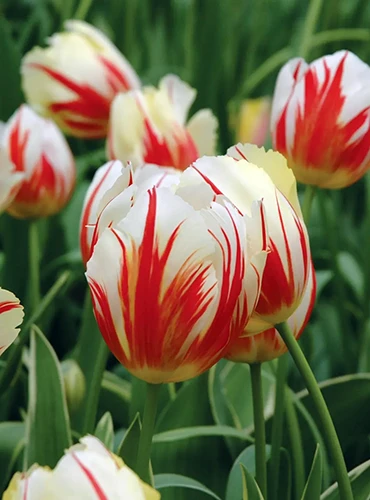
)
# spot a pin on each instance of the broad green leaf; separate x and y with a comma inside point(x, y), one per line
point(360, 481)
point(285, 475)
point(128, 448)
point(251, 490)
point(162, 481)
point(104, 430)
point(10, 58)
point(115, 397)
point(47, 431)
point(191, 408)
point(352, 273)
point(14, 354)
point(12, 441)
point(312, 489)
point(200, 431)
point(91, 354)
point(348, 400)
point(234, 488)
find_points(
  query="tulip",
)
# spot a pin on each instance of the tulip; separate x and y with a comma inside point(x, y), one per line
point(268, 345)
point(87, 471)
point(166, 275)
point(11, 316)
point(110, 180)
point(320, 119)
point(250, 173)
point(10, 179)
point(40, 153)
point(75, 79)
point(251, 123)
point(149, 126)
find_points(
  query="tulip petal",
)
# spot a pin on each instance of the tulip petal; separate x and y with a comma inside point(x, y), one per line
point(203, 129)
point(39, 151)
point(180, 94)
point(269, 345)
point(11, 316)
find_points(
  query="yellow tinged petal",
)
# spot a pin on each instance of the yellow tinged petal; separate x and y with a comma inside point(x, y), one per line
point(275, 165)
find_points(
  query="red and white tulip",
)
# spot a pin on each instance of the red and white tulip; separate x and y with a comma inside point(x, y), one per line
point(87, 471)
point(249, 173)
point(166, 276)
point(40, 154)
point(75, 79)
point(268, 345)
point(10, 179)
point(150, 126)
point(11, 316)
point(110, 187)
point(321, 119)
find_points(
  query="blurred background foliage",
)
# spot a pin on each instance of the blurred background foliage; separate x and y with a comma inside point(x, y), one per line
point(229, 50)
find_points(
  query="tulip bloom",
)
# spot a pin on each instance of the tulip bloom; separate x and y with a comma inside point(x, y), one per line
point(166, 275)
point(75, 79)
point(252, 121)
point(10, 179)
point(149, 126)
point(87, 471)
point(320, 119)
point(11, 316)
point(269, 345)
point(249, 173)
point(40, 153)
point(109, 181)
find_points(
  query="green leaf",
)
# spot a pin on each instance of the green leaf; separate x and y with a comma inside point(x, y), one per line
point(234, 488)
point(10, 59)
point(352, 273)
point(285, 472)
point(128, 448)
point(115, 397)
point(162, 481)
point(360, 480)
point(104, 430)
point(312, 489)
point(12, 441)
point(341, 394)
point(251, 490)
point(47, 431)
point(91, 355)
point(200, 431)
point(183, 457)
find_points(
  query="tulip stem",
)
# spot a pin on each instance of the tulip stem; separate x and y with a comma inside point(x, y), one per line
point(309, 27)
point(329, 434)
point(277, 423)
point(34, 295)
point(295, 439)
point(259, 427)
point(147, 431)
point(309, 195)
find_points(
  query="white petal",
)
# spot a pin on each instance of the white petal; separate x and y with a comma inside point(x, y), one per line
point(180, 94)
point(275, 165)
point(11, 316)
point(203, 128)
point(288, 76)
point(303, 311)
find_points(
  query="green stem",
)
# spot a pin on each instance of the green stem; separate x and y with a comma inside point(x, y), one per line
point(339, 35)
point(15, 353)
point(91, 355)
point(34, 295)
point(295, 439)
point(147, 431)
point(259, 427)
point(309, 27)
point(309, 195)
point(330, 435)
point(82, 9)
point(277, 423)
